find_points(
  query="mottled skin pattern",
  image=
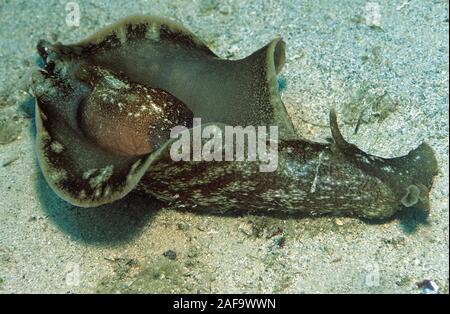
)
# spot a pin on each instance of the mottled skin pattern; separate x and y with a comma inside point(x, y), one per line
point(311, 179)
point(143, 116)
point(103, 130)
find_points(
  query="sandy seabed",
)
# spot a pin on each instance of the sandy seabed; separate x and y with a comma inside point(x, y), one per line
point(341, 54)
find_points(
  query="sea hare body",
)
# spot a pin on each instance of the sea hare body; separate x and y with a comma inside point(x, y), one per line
point(105, 108)
point(311, 179)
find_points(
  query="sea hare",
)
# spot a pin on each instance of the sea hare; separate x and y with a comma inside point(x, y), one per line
point(106, 105)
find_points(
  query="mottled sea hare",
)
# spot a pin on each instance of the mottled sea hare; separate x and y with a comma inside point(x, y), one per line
point(105, 107)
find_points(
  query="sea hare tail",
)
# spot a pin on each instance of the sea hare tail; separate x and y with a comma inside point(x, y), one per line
point(410, 177)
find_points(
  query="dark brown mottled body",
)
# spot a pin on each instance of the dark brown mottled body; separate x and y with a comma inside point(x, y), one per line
point(311, 179)
point(105, 107)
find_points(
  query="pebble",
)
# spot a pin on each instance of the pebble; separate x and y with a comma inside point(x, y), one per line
point(339, 222)
point(170, 254)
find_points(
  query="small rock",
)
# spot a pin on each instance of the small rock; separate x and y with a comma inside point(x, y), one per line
point(172, 255)
point(183, 226)
point(428, 286)
point(339, 222)
point(232, 51)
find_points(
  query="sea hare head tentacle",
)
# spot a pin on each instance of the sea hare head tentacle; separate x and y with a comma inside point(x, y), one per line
point(412, 196)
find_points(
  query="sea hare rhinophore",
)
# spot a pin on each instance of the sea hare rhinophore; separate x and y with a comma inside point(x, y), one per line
point(105, 108)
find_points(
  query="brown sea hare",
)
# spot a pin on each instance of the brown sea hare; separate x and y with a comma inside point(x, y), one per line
point(105, 108)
